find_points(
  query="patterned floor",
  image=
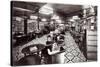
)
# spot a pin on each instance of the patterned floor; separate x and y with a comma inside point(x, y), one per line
point(71, 55)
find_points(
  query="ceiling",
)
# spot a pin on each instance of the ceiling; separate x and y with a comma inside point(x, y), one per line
point(67, 9)
point(20, 8)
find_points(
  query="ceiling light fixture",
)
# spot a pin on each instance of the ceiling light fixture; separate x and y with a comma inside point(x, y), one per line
point(46, 9)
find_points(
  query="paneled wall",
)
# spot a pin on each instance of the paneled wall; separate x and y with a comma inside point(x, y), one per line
point(91, 45)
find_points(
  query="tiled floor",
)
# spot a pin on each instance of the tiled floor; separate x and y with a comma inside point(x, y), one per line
point(71, 55)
